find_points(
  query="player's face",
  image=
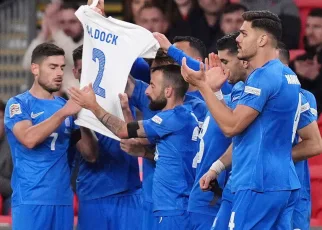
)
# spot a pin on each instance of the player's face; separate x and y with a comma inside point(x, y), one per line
point(185, 47)
point(70, 24)
point(155, 92)
point(1, 124)
point(136, 5)
point(153, 20)
point(49, 74)
point(235, 66)
point(77, 70)
point(231, 22)
point(247, 42)
point(314, 31)
point(212, 6)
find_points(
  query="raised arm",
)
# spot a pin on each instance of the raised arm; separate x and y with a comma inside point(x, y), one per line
point(231, 122)
point(86, 98)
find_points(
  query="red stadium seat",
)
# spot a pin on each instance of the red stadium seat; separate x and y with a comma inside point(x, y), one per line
point(295, 53)
point(316, 188)
point(305, 7)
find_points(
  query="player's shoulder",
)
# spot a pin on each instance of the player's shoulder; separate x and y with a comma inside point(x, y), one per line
point(194, 102)
point(22, 99)
point(308, 95)
point(60, 100)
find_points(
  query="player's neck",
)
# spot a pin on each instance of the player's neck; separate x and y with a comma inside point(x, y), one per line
point(263, 56)
point(192, 88)
point(172, 103)
point(39, 92)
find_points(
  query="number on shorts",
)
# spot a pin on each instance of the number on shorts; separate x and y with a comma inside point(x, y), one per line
point(98, 54)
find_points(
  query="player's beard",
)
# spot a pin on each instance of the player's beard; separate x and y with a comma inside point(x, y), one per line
point(49, 88)
point(158, 104)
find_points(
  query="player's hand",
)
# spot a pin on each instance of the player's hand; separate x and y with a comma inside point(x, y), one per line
point(85, 98)
point(99, 8)
point(206, 179)
point(195, 78)
point(124, 101)
point(216, 75)
point(133, 147)
point(71, 108)
point(163, 41)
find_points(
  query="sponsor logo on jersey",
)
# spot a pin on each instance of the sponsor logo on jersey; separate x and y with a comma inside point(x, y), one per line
point(253, 90)
point(157, 119)
point(35, 115)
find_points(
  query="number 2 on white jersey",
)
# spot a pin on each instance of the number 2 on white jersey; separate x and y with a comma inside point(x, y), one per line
point(197, 159)
point(53, 142)
point(98, 54)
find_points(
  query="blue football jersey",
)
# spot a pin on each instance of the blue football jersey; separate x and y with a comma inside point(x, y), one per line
point(41, 175)
point(307, 116)
point(262, 158)
point(173, 177)
point(141, 101)
point(114, 172)
point(196, 94)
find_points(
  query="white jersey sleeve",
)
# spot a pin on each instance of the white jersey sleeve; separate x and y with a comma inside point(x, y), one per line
point(110, 48)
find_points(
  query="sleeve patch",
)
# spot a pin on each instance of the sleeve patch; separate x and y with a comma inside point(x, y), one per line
point(157, 119)
point(14, 109)
point(305, 107)
point(252, 90)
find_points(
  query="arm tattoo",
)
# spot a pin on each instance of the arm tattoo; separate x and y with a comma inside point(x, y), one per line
point(111, 122)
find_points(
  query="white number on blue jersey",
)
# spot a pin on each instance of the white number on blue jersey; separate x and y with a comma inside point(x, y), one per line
point(296, 118)
point(53, 142)
point(231, 224)
point(197, 159)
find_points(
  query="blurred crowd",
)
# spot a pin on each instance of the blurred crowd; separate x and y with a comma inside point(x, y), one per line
point(207, 20)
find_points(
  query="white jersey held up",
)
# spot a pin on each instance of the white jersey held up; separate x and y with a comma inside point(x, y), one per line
point(109, 51)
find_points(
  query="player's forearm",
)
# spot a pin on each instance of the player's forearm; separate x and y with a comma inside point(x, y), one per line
point(88, 146)
point(226, 158)
point(130, 85)
point(113, 123)
point(177, 56)
point(38, 133)
point(306, 149)
point(221, 113)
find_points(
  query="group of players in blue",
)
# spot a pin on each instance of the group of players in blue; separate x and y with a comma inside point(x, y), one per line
point(252, 142)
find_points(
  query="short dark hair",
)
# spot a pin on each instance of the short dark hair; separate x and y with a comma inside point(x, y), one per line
point(162, 58)
point(233, 7)
point(45, 50)
point(265, 20)
point(228, 42)
point(316, 12)
point(2, 105)
point(283, 51)
point(78, 54)
point(172, 76)
point(194, 43)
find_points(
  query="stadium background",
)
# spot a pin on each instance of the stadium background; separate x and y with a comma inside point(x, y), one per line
point(20, 21)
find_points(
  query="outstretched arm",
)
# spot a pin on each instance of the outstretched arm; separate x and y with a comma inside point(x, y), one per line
point(86, 98)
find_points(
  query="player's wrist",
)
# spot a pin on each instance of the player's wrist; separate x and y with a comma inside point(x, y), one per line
point(218, 167)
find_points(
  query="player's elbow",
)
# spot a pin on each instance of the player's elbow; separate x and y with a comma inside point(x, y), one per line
point(318, 148)
point(230, 132)
point(29, 143)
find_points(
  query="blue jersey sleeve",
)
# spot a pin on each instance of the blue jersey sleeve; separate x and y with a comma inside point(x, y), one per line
point(306, 116)
point(162, 124)
point(15, 111)
point(312, 101)
point(177, 56)
point(138, 98)
point(257, 91)
point(141, 70)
